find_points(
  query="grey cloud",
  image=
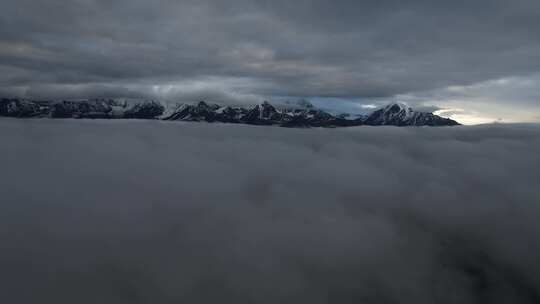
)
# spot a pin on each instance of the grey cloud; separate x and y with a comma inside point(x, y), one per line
point(137, 212)
point(307, 48)
point(509, 98)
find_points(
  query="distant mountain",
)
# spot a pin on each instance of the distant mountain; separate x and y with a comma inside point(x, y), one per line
point(263, 114)
point(396, 114)
point(22, 108)
point(399, 114)
point(300, 115)
point(89, 109)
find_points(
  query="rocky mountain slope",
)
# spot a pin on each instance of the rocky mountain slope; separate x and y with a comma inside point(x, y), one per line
point(99, 108)
point(298, 116)
point(399, 114)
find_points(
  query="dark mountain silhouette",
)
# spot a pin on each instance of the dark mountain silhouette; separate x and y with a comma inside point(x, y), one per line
point(301, 116)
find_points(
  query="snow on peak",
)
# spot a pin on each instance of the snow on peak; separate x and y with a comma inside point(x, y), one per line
point(399, 108)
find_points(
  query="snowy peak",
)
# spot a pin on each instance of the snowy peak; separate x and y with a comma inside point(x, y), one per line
point(268, 111)
point(398, 108)
point(396, 114)
point(393, 112)
point(261, 114)
point(400, 114)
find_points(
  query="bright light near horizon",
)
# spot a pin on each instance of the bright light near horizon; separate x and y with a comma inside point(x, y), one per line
point(466, 118)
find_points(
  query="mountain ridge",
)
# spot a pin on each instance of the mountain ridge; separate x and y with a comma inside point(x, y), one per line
point(302, 115)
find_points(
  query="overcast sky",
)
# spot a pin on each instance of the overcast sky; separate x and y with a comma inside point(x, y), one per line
point(478, 61)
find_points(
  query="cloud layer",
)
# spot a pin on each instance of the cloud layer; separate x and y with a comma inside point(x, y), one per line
point(138, 212)
point(307, 48)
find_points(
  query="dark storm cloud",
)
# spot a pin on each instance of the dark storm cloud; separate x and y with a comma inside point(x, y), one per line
point(284, 48)
point(139, 212)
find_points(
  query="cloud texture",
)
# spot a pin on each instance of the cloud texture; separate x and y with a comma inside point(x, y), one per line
point(139, 212)
point(249, 50)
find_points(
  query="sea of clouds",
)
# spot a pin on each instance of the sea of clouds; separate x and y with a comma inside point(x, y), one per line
point(157, 212)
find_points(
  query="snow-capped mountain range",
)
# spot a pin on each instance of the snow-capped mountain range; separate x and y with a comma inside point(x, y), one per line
point(298, 115)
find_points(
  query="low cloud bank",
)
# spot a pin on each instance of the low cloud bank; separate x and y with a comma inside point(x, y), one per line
point(154, 212)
